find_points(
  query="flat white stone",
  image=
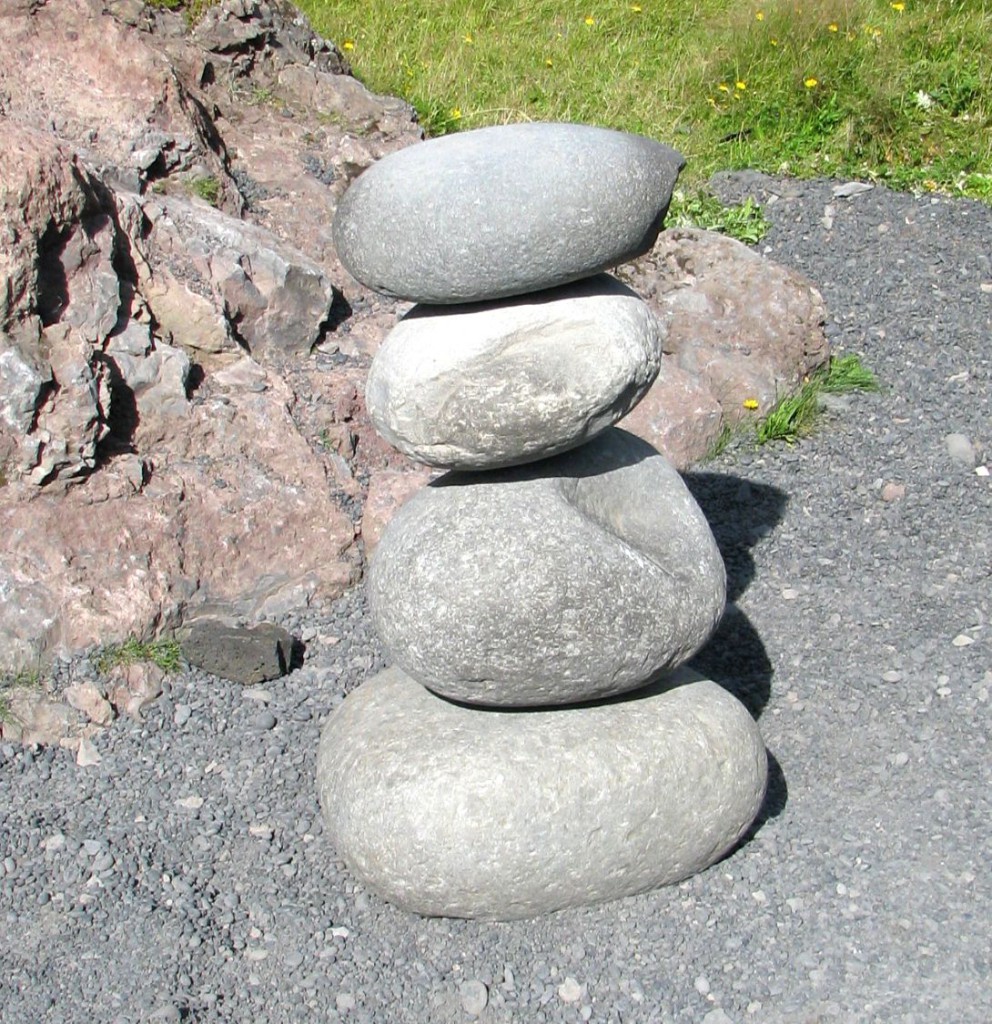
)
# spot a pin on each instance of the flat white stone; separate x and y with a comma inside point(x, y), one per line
point(500, 383)
point(447, 810)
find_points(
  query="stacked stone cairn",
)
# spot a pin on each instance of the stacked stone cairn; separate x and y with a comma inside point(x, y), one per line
point(536, 745)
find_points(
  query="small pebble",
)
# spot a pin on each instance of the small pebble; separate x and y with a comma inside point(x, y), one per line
point(263, 721)
point(165, 1013)
point(87, 756)
point(960, 449)
point(717, 1016)
point(570, 991)
point(182, 714)
point(474, 996)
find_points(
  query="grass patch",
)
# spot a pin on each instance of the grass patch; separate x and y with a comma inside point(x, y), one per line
point(208, 189)
point(719, 445)
point(165, 653)
point(21, 680)
point(794, 416)
point(701, 209)
point(899, 92)
point(791, 418)
point(192, 9)
point(845, 373)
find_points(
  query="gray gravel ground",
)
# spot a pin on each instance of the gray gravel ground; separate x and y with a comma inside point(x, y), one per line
point(186, 876)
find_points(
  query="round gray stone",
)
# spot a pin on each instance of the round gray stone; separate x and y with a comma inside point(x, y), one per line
point(564, 580)
point(449, 810)
point(504, 210)
point(495, 384)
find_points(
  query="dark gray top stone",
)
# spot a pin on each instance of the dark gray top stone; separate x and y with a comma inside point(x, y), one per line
point(504, 211)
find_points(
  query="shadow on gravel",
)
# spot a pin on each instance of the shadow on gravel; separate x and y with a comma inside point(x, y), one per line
point(776, 797)
point(740, 513)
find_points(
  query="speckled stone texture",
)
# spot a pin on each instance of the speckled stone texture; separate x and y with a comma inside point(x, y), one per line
point(504, 210)
point(452, 811)
point(495, 384)
point(574, 578)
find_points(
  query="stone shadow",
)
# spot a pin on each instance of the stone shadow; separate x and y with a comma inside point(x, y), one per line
point(740, 513)
point(776, 797)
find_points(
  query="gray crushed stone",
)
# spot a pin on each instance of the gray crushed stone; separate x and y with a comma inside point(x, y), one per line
point(185, 877)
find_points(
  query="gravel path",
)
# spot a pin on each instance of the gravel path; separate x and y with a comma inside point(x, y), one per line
point(186, 876)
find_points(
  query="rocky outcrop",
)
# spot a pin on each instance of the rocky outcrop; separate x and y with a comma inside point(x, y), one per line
point(166, 283)
point(183, 356)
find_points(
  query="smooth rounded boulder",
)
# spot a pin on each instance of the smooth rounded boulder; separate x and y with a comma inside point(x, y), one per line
point(574, 578)
point(496, 384)
point(504, 210)
point(451, 811)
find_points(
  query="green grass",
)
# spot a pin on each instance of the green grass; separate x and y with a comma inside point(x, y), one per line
point(896, 92)
point(193, 9)
point(165, 652)
point(208, 189)
point(10, 681)
point(719, 444)
point(794, 416)
point(701, 209)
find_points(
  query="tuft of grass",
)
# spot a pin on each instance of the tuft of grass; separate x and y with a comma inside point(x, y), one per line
point(719, 445)
point(794, 416)
point(165, 653)
point(791, 418)
point(845, 373)
point(899, 93)
point(207, 188)
point(701, 209)
point(193, 10)
point(25, 678)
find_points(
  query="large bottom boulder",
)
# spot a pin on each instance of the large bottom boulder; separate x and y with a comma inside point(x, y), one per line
point(447, 810)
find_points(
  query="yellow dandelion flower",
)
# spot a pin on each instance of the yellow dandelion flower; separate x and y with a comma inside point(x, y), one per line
point(723, 87)
point(636, 8)
point(750, 403)
point(898, 6)
point(774, 42)
point(590, 20)
point(740, 85)
point(469, 37)
point(348, 44)
point(548, 62)
point(833, 27)
point(930, 185)
point(759, 15)
point(811, 83)
point(456, 114)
